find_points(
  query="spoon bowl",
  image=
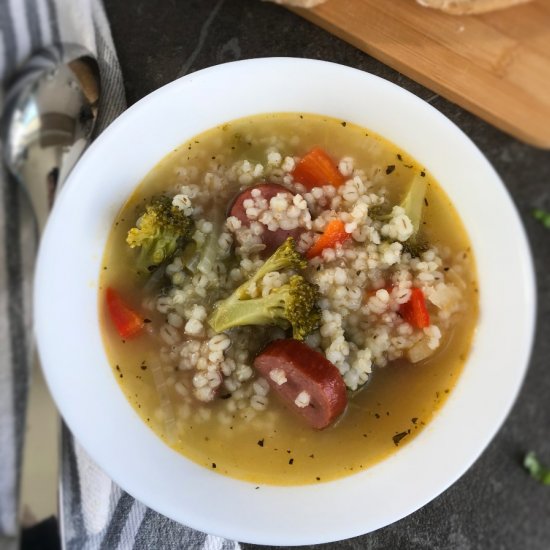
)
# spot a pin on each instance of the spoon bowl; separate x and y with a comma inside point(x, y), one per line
point(49, 119)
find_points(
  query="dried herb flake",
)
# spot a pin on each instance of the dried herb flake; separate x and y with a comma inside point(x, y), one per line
point(398, 437)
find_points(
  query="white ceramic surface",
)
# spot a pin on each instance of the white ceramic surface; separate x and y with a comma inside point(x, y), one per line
point(90, 399)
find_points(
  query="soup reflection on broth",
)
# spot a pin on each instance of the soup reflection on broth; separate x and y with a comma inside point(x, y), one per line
point(288, 298)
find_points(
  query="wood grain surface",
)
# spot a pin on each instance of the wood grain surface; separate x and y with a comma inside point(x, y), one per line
point(496, 65)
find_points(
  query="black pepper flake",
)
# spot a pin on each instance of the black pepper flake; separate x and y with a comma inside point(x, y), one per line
point(364, 435)
point(399, 156)
point(147, 320)
point(121, 375)
point(143, 367)
point(398, 437)
point(423, 174)
point(214, 465)
point(387, 413)
point(117, 367)
point(390, 168)
point(256, 487)
point(318, 478)
point(288, 451)
point(312, 456)
point(344, 124)
point(261, 443)
point(376, 415)
point(104, 267)
point(291, 461)
point(225, 396)
point(414, 420)
point(426, 201)
point(301, 116)
point(446, 268)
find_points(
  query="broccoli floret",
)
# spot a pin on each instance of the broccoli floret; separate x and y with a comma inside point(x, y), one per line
point(285, 257)
point(293, 305)
point(415, 246)
point(160, 231)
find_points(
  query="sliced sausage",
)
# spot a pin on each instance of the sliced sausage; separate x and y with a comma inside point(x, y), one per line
point(305, 379)
point(271, 239)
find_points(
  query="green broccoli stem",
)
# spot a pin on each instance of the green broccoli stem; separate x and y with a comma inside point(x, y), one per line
point(210, 250)
point(232, 312)
point(413, 203)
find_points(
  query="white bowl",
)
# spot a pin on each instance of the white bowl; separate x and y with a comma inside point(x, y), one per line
point(92, 403)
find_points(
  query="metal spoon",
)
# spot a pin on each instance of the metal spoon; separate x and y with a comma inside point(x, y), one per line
point(50, 113)
point(49, 117)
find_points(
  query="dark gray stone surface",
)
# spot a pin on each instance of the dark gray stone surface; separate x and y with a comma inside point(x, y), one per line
point(495, 505)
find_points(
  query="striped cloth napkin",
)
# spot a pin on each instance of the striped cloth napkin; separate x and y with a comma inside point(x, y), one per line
point(95, 513)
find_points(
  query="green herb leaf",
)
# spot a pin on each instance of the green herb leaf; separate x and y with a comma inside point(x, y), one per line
point(543, 216)
point(536, 469)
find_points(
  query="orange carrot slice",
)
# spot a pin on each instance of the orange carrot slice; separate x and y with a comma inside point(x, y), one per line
point(127, 322)
point(317, 169)
point(415, 311)
point(335, 233)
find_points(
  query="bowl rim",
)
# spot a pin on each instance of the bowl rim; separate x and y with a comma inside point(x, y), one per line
point(105, 448)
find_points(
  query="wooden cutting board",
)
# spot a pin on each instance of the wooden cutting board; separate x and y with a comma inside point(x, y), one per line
point(496, 65)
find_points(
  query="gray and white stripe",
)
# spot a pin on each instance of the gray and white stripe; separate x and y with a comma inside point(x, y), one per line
point(95, 513)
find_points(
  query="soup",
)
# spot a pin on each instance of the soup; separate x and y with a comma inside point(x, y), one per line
point(287, 298)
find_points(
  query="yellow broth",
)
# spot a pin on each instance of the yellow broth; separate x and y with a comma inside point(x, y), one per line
point(397, 401)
